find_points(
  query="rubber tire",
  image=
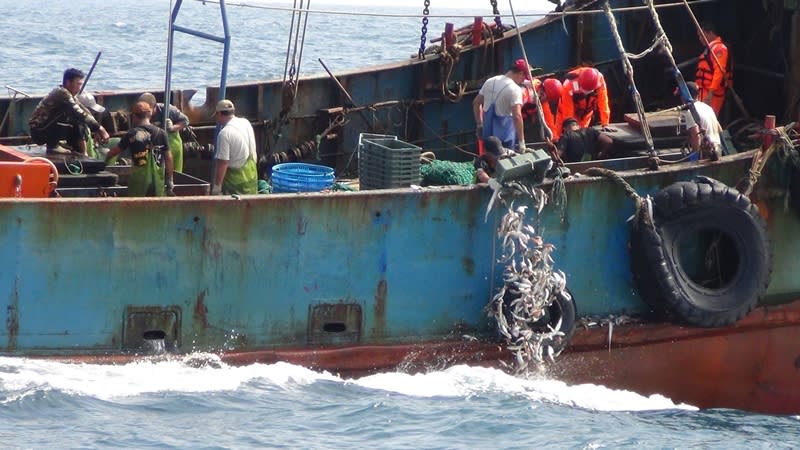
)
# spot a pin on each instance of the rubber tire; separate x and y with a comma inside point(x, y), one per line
point(563, 308)
point(686, 207)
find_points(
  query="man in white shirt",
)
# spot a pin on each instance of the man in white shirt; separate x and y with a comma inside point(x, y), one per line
point(498, 107)
point(710, 144)
point(236, 171)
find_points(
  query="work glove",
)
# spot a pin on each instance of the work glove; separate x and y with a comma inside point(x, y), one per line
point(170, 187)
point(169, 126)
point(216, 189)
point(494, 184)
point(521, 148)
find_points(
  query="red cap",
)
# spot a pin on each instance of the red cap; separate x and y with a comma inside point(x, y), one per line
point(521, 66)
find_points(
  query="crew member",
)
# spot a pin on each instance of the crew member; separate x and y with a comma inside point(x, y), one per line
point(498, 107)
point(584, 93)
point(176, 123)
point(60, 122)
point(712, 76)
point(577, 144)
point(485, 164)
point(549, 92)
point(235, 171)
point(151, 169)
point(707, 141)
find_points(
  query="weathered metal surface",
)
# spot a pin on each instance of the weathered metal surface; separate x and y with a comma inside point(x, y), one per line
point(699, 366)
point(422, 262)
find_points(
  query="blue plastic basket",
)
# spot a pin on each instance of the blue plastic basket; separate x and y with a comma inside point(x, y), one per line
point(301, 177)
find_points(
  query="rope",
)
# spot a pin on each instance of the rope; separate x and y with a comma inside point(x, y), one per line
point(643, 205)
point(782, 143)
point(448, 16)
point(628, 68)
point(618, 180)
point(448, 60)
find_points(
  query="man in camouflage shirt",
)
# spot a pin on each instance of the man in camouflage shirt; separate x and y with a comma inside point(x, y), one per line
point(59, 117)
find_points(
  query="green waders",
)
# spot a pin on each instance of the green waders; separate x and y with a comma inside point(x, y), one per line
point(147, 177)
point(243, 180)
point(175, 143)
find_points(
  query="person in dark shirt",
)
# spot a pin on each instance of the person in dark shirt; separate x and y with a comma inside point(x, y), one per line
point(575, 142)
point(486, 163)
point(150, 155)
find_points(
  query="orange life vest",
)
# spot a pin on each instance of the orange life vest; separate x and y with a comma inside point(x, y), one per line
point(580, 106)
point(710, 76)
point(529, 108)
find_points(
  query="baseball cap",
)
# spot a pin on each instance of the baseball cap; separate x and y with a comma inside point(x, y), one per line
point(493, 146)
point(88, 101)
point(521, 66)
point(225, 106)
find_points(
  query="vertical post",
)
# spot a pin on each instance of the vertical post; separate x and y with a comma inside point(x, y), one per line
point(449, 37)
point(477, 30)
point(223, 79)
point(170, 37)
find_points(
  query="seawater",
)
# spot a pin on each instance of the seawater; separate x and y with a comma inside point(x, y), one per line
point(176, 405)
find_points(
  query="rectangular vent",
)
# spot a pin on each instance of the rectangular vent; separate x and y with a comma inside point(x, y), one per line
point(147, 323)
point(334, 324)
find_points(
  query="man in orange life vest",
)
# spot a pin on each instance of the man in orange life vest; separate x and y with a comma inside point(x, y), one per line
point(549, 92)
point(711, 75)
point(584, 92)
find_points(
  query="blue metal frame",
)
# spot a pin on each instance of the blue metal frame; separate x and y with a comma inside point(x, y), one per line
point(225, 41)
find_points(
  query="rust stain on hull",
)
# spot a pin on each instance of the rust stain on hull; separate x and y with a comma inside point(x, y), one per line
point(380, 309)
point(12, 317)
point(200, 314)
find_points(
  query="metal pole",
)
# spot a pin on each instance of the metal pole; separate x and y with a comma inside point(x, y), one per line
point(91, 70)
point(168, 81)
point(223, 79)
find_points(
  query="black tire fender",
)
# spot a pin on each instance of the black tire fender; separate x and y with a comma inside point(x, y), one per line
point(561, 316)
point(730, 240)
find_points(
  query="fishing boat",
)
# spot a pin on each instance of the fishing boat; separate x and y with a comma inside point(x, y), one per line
point(400, 278)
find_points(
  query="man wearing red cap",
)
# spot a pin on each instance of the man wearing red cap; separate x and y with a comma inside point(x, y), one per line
point(498, 107)
point(584, 92)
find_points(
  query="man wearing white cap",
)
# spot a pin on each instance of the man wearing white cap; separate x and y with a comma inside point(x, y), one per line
point(235, 171)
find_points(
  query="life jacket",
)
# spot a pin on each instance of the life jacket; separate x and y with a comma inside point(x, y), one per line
point(581, 106)
point(704, 75)
point(549, 110)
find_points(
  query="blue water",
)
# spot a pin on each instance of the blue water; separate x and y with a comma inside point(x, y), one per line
point(173, 405)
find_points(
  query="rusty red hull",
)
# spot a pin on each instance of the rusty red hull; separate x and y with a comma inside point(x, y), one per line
point(753, 365)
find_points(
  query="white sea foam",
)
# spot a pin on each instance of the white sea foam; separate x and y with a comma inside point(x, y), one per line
point(22, 376)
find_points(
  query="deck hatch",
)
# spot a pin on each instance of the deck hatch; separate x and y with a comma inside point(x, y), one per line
point(334, 323)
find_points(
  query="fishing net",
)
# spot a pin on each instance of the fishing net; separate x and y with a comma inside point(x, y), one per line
point(445, 173)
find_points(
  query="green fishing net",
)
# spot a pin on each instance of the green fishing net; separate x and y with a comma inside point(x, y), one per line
point(444, 173)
